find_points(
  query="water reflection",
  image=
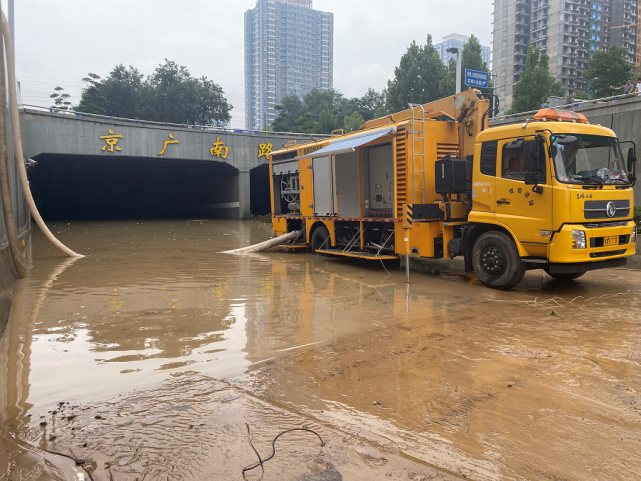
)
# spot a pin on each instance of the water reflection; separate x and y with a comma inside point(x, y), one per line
point(156, 299)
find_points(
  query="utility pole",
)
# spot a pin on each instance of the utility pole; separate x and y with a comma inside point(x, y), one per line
point(493, 96)
point(457, 51)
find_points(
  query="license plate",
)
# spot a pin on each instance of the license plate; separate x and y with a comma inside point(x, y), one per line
point(611, 241)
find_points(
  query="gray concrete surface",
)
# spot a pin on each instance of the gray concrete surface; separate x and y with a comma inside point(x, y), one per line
point(69, 134)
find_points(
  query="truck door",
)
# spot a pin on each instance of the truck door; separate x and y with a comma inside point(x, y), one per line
point(527, 213)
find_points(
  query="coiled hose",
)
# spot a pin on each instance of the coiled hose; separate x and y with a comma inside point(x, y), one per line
point(5, 183)
point(17, 142)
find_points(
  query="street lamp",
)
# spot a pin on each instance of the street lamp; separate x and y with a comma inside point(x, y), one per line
point(457, 51)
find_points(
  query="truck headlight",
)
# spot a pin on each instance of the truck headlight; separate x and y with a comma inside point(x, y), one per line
point(578, 239)
point(633, 238)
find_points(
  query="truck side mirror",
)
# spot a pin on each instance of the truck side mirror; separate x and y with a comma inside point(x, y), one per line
point(631, 159)
point(532, 156)
point(532, 178)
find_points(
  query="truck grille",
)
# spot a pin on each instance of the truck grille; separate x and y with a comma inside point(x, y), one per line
point(597, 209)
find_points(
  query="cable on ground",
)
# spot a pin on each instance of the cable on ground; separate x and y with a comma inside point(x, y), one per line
point(263, 461)
point(559, 302)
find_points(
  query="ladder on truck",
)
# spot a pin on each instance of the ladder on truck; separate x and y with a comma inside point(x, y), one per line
point(417, 158)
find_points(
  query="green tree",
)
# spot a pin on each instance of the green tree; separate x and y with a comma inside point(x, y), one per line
point(120, 94)
point(535, 84)
point(169, 94)
point(448, 82)
point(353, 122)
point(320, 112)
point(607, 68)
point(289, 110)
point(326, 121)
point(417, 79)
point(380, 112)
point(60, 99)
point(370, 103)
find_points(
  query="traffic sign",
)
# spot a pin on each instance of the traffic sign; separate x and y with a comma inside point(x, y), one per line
point(474, 78)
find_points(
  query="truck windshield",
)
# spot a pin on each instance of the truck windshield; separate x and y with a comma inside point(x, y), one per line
point(592, 159)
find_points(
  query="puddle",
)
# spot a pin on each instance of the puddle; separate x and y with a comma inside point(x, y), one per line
point(155, 331)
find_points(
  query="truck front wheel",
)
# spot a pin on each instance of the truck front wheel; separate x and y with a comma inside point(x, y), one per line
point(496, 261)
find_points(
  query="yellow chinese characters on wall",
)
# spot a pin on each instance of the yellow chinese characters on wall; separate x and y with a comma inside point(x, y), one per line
point(265, 150)
point(218, 149)
point(172, 140)
point(111, 141)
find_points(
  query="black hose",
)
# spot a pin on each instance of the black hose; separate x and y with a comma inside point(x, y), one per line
point(262, 461)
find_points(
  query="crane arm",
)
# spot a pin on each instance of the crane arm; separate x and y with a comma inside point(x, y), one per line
point(469, 108)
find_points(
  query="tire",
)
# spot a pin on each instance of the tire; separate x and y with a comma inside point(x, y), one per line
point(564, 277)
point(496, 261)
point(319, 236)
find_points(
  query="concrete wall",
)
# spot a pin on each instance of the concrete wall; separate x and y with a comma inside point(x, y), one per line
point(69, 134)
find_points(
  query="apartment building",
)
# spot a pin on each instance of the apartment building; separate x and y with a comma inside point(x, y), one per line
point(289, 49)
point(569, 31)
point(457, 40)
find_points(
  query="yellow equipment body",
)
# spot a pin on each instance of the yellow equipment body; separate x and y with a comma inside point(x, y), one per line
point(434, 181)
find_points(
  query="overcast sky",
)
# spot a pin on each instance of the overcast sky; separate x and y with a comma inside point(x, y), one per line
point(59, 41)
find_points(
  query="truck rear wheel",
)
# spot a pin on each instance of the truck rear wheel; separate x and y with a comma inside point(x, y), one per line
point(564, 277)
point(319, 239)
point(496, 261)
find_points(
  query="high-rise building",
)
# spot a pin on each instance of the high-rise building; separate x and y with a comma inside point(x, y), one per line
point(457, 40)
point(289, 49)
point(569, 31)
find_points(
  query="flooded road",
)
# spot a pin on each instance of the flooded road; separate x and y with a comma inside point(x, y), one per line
point(146, 359)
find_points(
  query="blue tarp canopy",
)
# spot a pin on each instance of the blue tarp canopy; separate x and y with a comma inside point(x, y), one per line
point(349, 144)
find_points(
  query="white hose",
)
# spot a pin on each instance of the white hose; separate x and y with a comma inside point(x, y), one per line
point(17, 143)
point(265, 245)
point(5, 182)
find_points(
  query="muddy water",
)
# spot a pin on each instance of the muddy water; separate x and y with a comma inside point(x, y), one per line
point(162, 349)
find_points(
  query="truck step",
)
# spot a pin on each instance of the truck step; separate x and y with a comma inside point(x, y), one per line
point(370, 256)
point(294, 247)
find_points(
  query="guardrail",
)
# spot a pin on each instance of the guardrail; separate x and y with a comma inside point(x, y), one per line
point(573, 105)
point(209, 128)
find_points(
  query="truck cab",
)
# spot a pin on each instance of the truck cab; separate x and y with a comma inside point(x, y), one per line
point(560, 190)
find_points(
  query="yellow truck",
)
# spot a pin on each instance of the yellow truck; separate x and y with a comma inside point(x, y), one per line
point(433, 181)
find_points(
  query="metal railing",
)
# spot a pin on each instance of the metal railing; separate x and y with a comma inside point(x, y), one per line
point(209, 128)
point(577, 103)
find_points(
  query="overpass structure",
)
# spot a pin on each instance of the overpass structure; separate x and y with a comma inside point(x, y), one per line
point(96, 166)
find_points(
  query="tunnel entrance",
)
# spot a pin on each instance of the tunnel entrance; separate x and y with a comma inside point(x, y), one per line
point(260, 200)
point(78, 187)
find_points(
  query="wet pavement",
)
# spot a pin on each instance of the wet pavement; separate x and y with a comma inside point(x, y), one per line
point(147, 359)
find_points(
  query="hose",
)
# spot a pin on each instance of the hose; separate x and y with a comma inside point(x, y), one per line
point(265, 245)
point(17, 143)
point(263, 461)
point(5, 184)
